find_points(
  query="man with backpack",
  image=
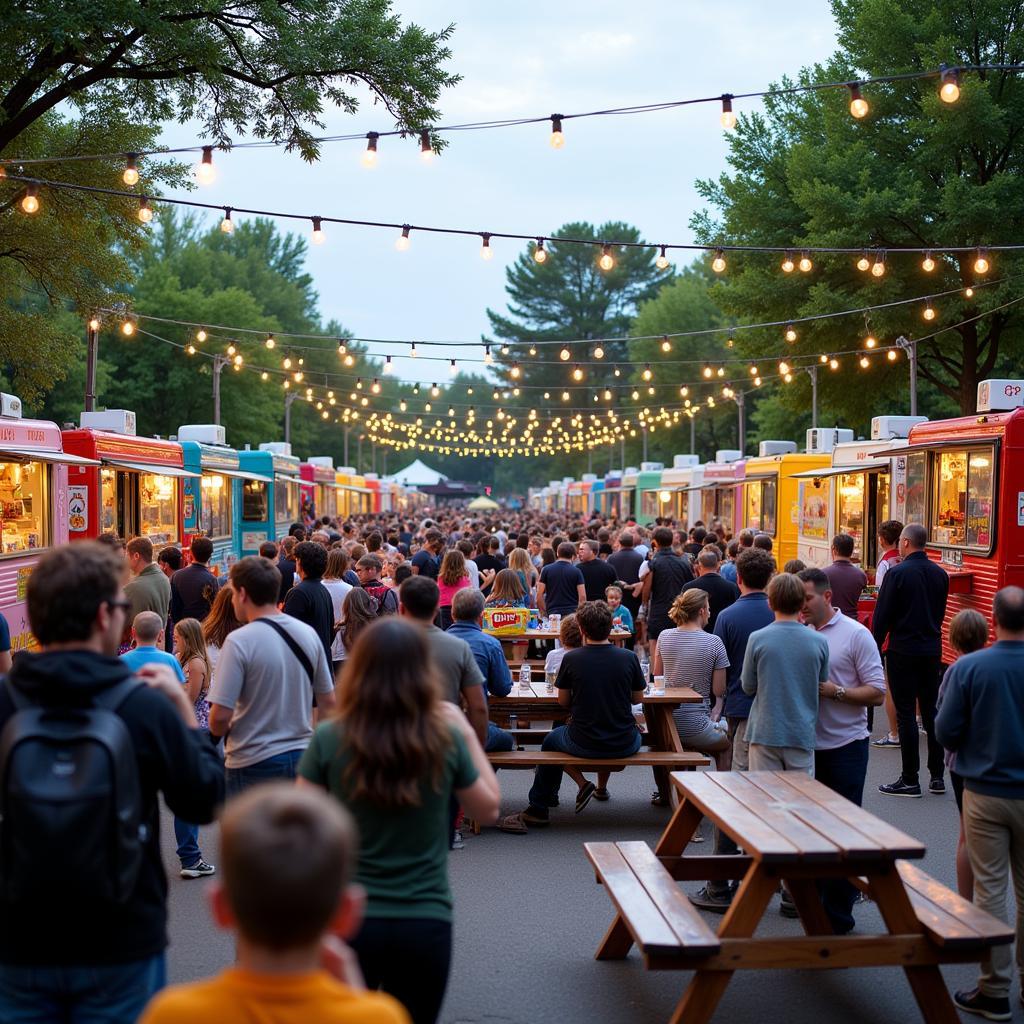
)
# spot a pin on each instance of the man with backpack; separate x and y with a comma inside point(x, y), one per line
point(83, 921)
point(270, 673)
point(368, 569)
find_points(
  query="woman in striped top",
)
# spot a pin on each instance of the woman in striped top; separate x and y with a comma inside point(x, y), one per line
point(689, 656)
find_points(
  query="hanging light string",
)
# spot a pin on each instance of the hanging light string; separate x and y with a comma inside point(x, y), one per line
point(541, 343)
point(949, 92)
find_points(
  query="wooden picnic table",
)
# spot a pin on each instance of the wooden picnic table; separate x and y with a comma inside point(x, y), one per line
point(789, 828)
point(534, 702)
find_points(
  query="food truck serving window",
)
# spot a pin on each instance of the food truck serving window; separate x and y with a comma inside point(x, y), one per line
point(650, 506)
point(915, 505)
point(760, 510)
point(158, 507)
point(23, 507)
point(294, 500)
point(963, 494)
point(850, 517)
point(215, 513)
point(254, 501)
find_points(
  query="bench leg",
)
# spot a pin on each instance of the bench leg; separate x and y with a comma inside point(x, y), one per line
point(617, 941)
point(808, 903)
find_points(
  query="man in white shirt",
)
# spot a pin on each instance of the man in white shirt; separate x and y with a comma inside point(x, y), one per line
point(270, 674)
point(856, 682)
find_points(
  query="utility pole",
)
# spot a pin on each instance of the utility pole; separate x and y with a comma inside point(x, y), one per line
point(359, 456)
point(346, 444)
point(693, 432)
point(373, 456)
point(812, 372)
point(644, 459)
point(741, 411)
point(910, 347)
point(219, 362)
point(289, 398)
point(622, 453)
point(92, 350)
point(590, 460)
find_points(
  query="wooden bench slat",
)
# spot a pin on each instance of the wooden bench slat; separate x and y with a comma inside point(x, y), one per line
point(643, 758)
point(682, 916)
point(643, 918)
point(850, 840)
point(941, 904)
point(745, 827)
point(811, 844)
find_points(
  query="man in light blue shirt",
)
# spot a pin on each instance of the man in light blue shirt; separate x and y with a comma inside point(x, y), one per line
point(147, 629)
point(783, 667)
point(467, 613)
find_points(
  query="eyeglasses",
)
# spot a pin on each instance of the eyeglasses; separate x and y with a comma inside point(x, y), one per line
point(123, 605)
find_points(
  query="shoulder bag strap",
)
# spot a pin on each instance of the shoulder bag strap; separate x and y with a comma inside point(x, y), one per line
point(293, 646)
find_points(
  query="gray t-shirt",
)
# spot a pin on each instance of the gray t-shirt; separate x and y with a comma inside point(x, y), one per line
point(455, 664)
point(260, 678)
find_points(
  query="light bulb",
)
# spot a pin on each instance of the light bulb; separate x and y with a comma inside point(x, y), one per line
point(488, 358)
point(389, 366)
point(232, 349)
point(607, 261)
point(788, 378)
point(515, 372)
point(858, 105)
point(805, 263)
point(94, 324)
point(412, 350)
point(892, 355)
point(375, 386)
point(928, 264)
point(969, 292)
point(787, 264)
point(130, 176)
point(757, 382)
point(753, 371)
point(662, 261)
point(434, 391)
point(607, 395)
point(238, 360)
point(426, 149)
point(666, 345)
point(864, 263)
point(201, 335)
point(30, 201)
point(708, 372)
point(684, 391)
point(718, 263)
point(264, 375)
point(128, 328)
point(929, 311)
point(949, 91)
point(540, 254)
point(729, 342)
point(981, 264)
point(647, 374)
point(728, 118)
point(486, 252)
point(557, 139)
point(226, 225)
point(870, 341)
point(878, 267)
point(205, 171)
point(864, 362)
point(318, 232)
point(790, 333)
point(833, 364)
point(565, 354)
point(577, 372)
point(350, 360)
point(783, 367)
point(287, 362)
point(370, 153)
point(403, 242)
point(532, 350)
point(145, 210)
point(452, 368)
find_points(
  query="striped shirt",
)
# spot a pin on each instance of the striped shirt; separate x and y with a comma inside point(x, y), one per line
point(690, 658)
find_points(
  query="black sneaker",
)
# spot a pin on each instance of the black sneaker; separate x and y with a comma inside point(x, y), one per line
point(990, 1007)
point(787, 908)
point(198, 870)
point(716, 903)
point(900, 788)
point(937, 786)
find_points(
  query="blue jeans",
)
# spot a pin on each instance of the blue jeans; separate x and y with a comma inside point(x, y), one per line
point(498, 740)
point(281, 766)
point(187, 837)
point(100, 994)
point(547, 779)
point(842, 770)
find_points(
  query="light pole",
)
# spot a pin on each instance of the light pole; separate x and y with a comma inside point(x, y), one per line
point(289, 398)
point(910, 347)
point(346, 444)
point(644, 458)
point(812, 372)
point(741, 412)
point(219, 362)
point(693, 431)
point(92, 349)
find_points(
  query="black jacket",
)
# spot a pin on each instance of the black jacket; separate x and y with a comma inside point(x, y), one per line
point(172, 759)
point(669, 574)
point(911, 606)
point(721, 593)
point(310, 602)
point(192, 592)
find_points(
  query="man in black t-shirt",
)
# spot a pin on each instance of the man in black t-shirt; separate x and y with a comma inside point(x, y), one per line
point(597, 573)
point(561, 589)
point(664, 583)
point(599, 683)
point(721, 593)
point(427, 561)
point(309, 600)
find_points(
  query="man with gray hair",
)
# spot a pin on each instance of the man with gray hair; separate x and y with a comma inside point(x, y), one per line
point(468, 616)
point(721, 593)
point(909, 612)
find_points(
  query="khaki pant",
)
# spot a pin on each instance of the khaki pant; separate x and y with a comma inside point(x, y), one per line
point(994, 827)
point(740, 746)
point(781, 759)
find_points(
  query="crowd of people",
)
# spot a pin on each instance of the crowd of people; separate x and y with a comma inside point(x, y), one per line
point(331, 694)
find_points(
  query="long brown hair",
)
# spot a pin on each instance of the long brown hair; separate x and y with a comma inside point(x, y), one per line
point(453, 568)
point(357, 612)
point(221, 619)
point(390, 717)
point(508, 587)
point(189, 633)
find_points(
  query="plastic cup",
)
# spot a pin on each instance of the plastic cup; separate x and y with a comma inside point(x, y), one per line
point(659, 686)
point(549, 681)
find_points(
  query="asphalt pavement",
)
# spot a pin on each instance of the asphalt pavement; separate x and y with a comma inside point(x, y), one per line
point(529, 915)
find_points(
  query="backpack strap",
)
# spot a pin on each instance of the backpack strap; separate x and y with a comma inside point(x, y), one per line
point(111, 698)
point(300, 654)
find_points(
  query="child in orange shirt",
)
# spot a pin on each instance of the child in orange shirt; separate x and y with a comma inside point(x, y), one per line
point(286, 859)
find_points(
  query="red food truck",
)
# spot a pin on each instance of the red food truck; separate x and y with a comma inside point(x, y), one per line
point(965, 484)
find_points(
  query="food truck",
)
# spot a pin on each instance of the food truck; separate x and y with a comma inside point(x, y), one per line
point(859, 492)
point(721, 491)
point(681, 483)
point(596, 493)
point(611, 495)
point(269, 498)
point(965, 484)
point(35, 506)
point(131, 487)
point(319, 488)
point(771, 495)
point(372, 484)
point(627, 497)
point(649, 505)
point(578, 495)
point(354, 497)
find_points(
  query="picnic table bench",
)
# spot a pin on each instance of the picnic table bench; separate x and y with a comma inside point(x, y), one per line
point(789, 828)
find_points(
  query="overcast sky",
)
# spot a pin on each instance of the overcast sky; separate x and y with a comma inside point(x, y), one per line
point(524, 59)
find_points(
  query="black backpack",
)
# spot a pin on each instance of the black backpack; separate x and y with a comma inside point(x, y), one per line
point(70, 803)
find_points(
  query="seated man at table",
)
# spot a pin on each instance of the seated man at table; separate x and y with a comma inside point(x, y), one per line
point(599, 683)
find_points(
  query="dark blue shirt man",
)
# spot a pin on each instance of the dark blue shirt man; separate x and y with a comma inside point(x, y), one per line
point(194, 587)
point(561, 589)
point(467, 615)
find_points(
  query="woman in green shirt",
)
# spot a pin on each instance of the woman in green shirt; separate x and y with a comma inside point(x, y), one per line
point(395, 756)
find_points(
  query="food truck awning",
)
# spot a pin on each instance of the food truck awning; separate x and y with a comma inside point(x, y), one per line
point(46, 455)
point(934, 446)
point(244, 475)
point(144, 467)
point(860, 467)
